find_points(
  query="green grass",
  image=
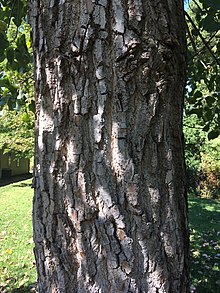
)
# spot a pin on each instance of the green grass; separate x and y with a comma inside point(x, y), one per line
point(17, 268)
point(204, 218)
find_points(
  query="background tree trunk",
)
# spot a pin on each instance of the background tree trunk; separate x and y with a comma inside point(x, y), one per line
point(110, 211)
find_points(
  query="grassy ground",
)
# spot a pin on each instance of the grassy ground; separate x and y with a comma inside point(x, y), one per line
point(204, 218)
point(17, 269)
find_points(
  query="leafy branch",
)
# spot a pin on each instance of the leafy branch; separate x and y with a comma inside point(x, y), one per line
point(206, 44)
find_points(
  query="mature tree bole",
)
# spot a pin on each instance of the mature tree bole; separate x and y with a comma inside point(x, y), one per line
point(110, 211)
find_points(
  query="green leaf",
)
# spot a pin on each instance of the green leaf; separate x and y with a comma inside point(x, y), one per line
point(215, 4)
point(18, 12)
point(194, 32)
point(204, 3)
point(3, 42)
point(198, 17)
point(10, 55)
point(208, 114)
point(3, 101)
point(198, 112)
point(21, 53)
point(14, 66)
point(3, 26)
point(206, 128)
point(2, 55)
point(218, 48)
point(191, 100)
point(210, 25)
point(210, 100)
point(213, 134)
point(11, 104)
point(31, 106)
point(26, 117)
point(5, 83)
point(197, 94)
point(200, 67)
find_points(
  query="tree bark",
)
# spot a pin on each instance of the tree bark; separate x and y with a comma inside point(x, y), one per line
point(110, 209)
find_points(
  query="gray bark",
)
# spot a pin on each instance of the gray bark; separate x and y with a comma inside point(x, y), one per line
point(110, 211)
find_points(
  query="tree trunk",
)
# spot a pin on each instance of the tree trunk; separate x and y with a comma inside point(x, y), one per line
point(110, 211)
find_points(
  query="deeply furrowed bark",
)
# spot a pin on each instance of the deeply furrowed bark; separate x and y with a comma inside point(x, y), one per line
point(110, 212)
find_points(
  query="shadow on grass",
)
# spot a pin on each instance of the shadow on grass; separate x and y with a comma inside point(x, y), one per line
point(27, 288)
point(204, 218)
point(14, 179)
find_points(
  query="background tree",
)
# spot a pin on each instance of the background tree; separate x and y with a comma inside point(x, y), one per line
point(110, 212)
point(16, 80)
point(202, 99)
point(203, 82)
point(202, 159)
point(16, 132)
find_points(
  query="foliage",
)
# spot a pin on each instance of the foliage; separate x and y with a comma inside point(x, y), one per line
point(194, 142)
point(202, 103)
point(16, 78)
point(204, 219)
point(210, 174)
point(203, 83)
point(16, 132)
point(17, 268)
point(202, 159)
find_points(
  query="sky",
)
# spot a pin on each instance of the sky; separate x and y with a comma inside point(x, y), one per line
point(186, 4)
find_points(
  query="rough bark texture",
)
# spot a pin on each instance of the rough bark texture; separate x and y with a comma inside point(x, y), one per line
point(110, 212)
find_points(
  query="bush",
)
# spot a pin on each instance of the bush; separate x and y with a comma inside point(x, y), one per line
point(209, 181)
point(202, 160)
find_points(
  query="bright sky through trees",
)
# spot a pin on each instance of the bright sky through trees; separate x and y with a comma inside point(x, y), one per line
point(186, 4)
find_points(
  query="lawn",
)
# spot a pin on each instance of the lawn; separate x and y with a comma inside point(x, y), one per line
point(204, 218)
point(17, 267)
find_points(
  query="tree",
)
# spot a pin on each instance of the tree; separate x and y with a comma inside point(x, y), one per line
point(16, 77)
point(203, 84)
point(202, 98)
point(110, 211)
point(16, 80)
point(16, 132)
